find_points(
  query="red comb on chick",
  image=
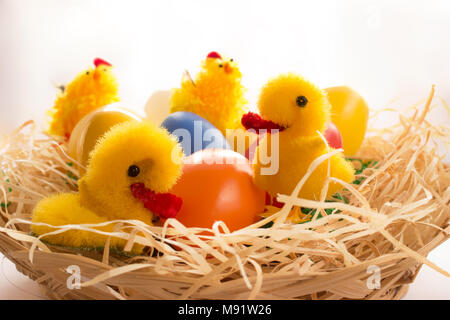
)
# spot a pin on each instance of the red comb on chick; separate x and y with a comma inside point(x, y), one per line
point(165, 205)
point(98, 62)
point(214, 55)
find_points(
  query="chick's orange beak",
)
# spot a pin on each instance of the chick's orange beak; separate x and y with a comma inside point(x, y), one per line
point(98, 64)
point(96, 74)
point(228, 69)
point(165, 205)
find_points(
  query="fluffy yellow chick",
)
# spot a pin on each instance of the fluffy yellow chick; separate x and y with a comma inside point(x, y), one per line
point(130, 170)
point(298, 109)
point(91, 89)
point(215, 94)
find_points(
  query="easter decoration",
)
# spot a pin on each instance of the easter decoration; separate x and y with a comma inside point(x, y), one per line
point(194, 133)
point(129, 173)
point(215, 94)
point(92, 127)
point(91, 89)
point(350, 113)
point(299, 110)
point(118, 198)
point(217, 185)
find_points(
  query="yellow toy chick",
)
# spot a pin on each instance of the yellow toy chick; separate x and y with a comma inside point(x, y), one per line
point(129, 173)
point(216, 94)
point(298, 109)
point(90, 90)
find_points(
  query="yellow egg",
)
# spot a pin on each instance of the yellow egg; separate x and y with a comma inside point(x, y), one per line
point(90, 128)
point(350, 114)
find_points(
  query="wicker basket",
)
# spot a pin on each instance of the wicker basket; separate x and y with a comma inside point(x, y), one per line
point(389, 222)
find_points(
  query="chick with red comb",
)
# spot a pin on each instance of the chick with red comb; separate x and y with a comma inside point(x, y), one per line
point(216, 93)
point(91, 89)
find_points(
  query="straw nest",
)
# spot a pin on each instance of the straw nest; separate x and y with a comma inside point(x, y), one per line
point(390, 219)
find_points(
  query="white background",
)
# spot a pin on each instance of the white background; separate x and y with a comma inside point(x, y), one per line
point(389, 51)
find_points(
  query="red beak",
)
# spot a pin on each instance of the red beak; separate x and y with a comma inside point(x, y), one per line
point(254, 121)
point(165, 205)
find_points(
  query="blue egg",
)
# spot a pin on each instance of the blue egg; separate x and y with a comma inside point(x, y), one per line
point(194, 133)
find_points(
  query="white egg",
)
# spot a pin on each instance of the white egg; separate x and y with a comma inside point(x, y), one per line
point(157, 107)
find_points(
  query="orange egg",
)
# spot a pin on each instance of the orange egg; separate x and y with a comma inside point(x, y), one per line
point(218, 185)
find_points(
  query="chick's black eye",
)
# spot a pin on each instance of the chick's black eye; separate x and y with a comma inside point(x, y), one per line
point(301, 101)
point(220, 65)
point(133, 171)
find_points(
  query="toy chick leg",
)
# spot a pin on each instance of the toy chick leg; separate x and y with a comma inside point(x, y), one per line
point(64, 209)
